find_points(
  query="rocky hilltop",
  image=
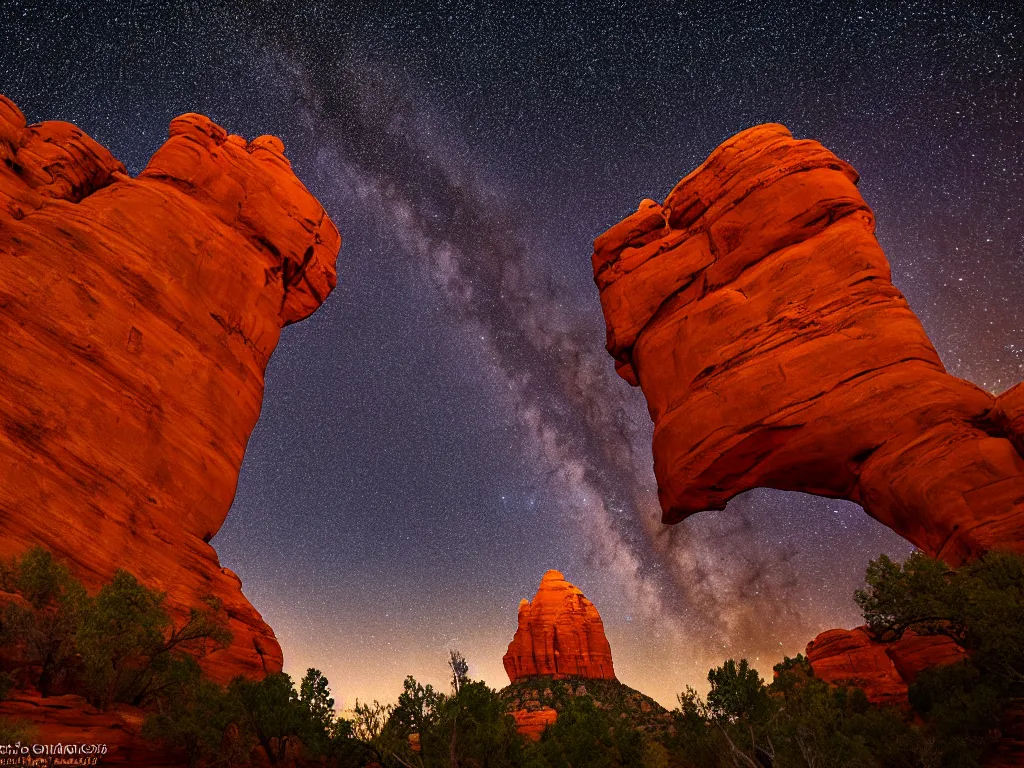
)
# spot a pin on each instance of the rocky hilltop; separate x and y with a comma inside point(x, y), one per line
point(138, 316)
point(755, 310)
point(536, 701)
point(560, 634)
point(560, 652)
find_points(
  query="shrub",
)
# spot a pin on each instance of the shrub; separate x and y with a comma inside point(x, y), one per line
point(194, 719)
point(131, 650)
point(980, 606)
point(12, 731)
point(270, 710)
point(47, 628)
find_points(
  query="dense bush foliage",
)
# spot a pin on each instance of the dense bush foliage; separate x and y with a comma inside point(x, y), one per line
point(429, 729)
point(11, 731)
point(45, 627)
point(796, 720)
point(980, 606)
point(118, 645)
point(195, 720)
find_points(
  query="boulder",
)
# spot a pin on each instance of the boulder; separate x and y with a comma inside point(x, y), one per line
point(853, 658)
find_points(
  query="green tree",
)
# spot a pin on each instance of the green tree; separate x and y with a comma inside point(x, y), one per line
point(271, 711)
point(694, 740)
point(836, 727)
point(737, 693)
point(373, 729)
point(346, 749)
point(477, 728)
point(655, 755)
point(922, 594)
point(980, 606)
point(131, 650)
point(318, 731)
point(963, 708)
point(810, 726)
point(739, 705)
point(47, 626)
point(418, 706)
point(370, 720)
point(11, 730)
point(581, 737)
point(416, 716)
point(459, 669)
point(194, 719)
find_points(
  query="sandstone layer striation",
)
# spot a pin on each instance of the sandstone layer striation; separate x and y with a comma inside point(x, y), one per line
point(755, 310)
point(137, 318)
point(884, 671)
point(560, 634)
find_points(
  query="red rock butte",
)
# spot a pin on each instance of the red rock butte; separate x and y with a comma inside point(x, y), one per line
point(138, 316)
point(560, 634)
point(755, 310)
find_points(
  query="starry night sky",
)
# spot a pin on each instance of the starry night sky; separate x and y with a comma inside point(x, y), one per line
point(448, 426)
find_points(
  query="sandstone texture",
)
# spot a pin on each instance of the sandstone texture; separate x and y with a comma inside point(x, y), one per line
point(137, 318)
point(560, 634)
point(532, 722)
point(755, 310)
point(884, 671)
point(113, 737)
point(852, 657)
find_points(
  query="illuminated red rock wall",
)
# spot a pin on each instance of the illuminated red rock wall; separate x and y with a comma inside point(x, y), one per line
point(560, 634)
point(532, 723)
point(755, 310)
point(884, 671)
point(137, 317)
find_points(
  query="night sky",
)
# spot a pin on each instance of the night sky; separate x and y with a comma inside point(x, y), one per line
point(448, 425)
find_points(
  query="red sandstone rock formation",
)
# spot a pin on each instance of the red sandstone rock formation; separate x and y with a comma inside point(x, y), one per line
point(884, 671)
point(532, 722)
point(137, 318)
point(755, 310)
point(560, 634)
point(115, 734)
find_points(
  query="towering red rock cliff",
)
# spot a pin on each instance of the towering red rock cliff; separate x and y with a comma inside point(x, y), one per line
point(137, 318)
point(755, 310)
point(560, 634)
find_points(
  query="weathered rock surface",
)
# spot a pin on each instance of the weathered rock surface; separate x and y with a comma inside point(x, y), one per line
point(112, 736)
point(851, 657)
point(137, 318)
point(560, 634)
point(536, 701)
point(532, 722)
point(755, 310)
